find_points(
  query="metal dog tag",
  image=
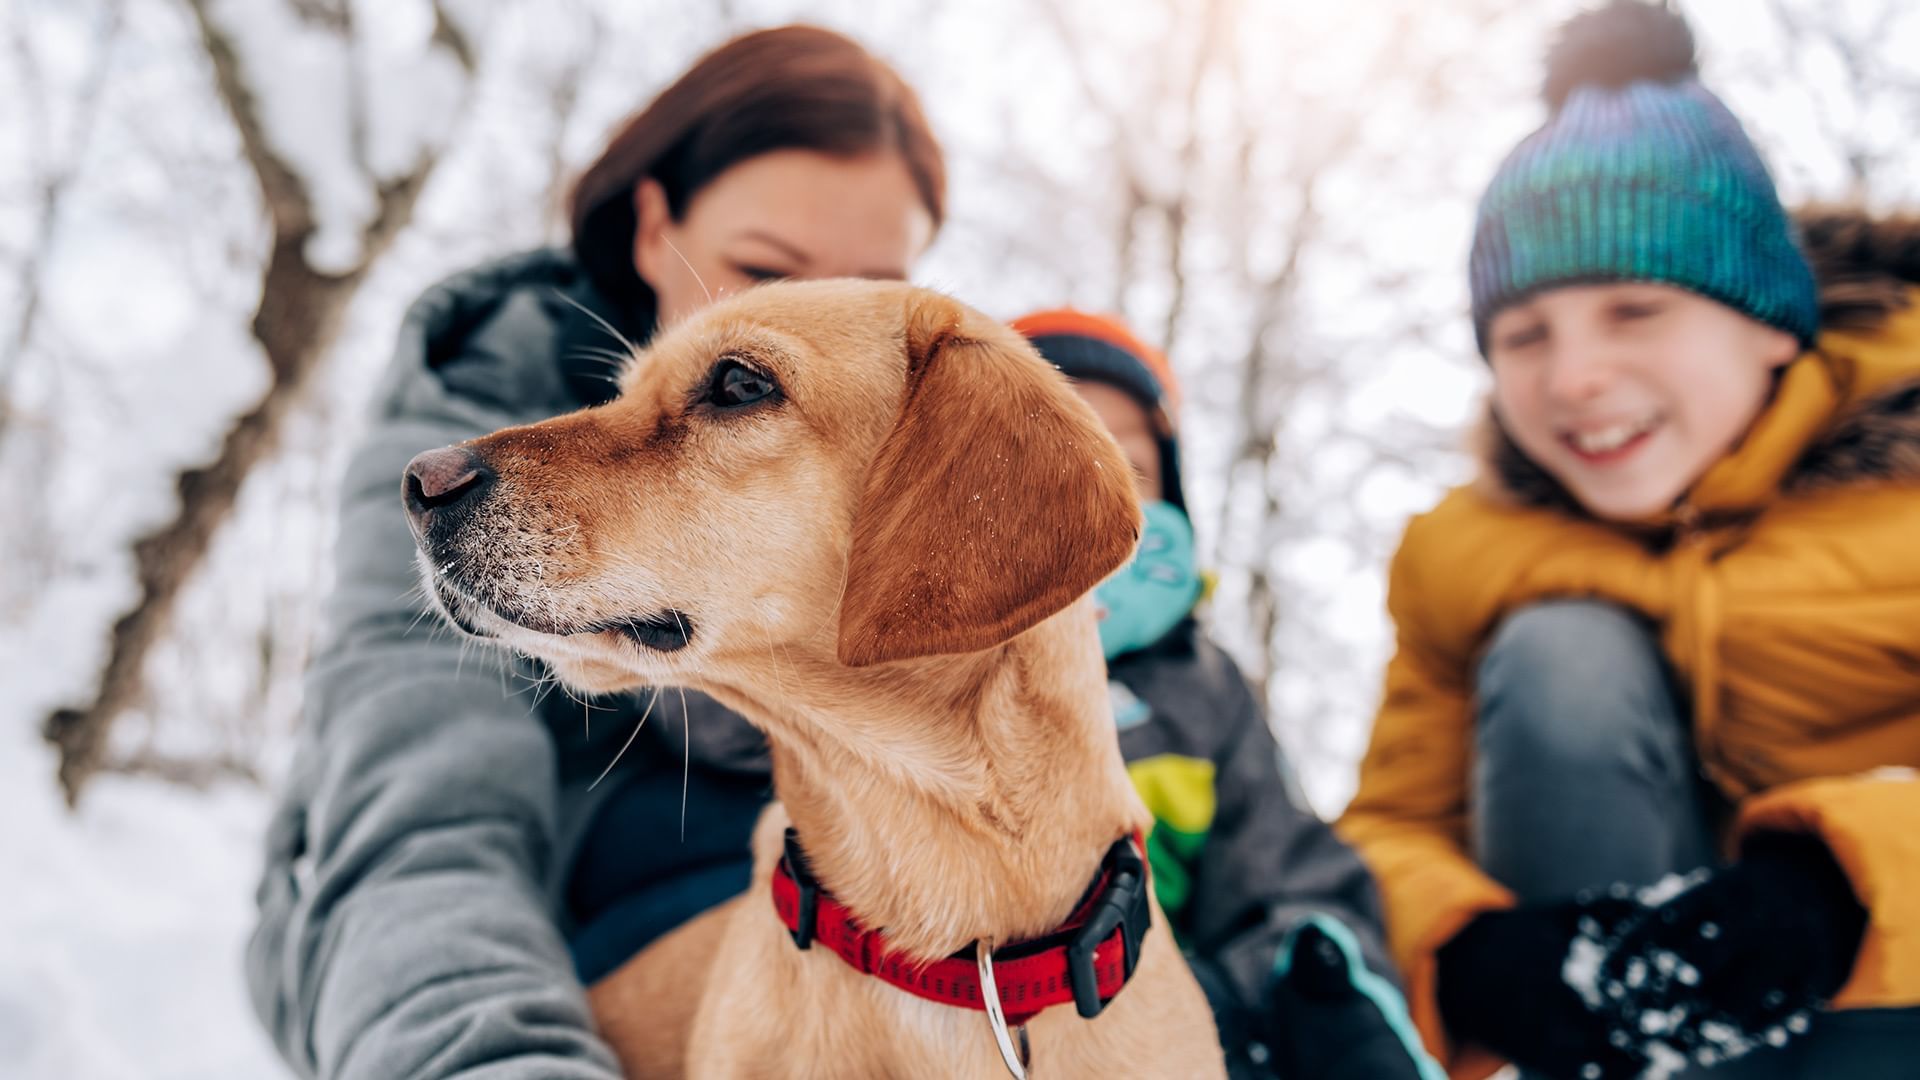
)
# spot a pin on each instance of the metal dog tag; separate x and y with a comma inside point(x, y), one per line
point(1016, 1060)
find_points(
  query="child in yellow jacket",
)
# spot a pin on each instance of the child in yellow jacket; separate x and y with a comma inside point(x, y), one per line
point(1640, 797)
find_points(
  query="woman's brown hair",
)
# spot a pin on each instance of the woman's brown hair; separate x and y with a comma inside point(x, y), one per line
point(789, 88)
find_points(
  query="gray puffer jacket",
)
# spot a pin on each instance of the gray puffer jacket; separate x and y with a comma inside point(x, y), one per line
point(411, 917)
point(421, 881)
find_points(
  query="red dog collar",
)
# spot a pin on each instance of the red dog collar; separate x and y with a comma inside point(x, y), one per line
point(1086, 961)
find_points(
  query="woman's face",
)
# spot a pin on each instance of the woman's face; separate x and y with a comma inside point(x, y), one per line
point(1627, 393)
point(782, 214)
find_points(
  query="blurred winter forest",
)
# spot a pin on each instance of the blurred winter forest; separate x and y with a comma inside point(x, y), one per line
point(213, 212)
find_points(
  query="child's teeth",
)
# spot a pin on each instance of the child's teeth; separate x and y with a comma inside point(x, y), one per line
point(1607, 439)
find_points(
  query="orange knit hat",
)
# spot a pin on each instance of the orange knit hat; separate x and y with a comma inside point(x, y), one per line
point(1074, 323)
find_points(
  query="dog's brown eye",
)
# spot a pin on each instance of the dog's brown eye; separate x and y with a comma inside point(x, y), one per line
point(734, 384)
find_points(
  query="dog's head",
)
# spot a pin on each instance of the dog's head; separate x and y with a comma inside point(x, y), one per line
point(866, 470)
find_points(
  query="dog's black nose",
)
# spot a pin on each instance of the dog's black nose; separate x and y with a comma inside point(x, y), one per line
point(444, 478)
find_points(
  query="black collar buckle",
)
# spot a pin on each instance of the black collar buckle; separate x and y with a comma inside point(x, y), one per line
point(1123, 905)
point(809, 888)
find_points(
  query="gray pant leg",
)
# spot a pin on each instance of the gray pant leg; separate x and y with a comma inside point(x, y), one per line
point(1586, 776)
point(1585, 772)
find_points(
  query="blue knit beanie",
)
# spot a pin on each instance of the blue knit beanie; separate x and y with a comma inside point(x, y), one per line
point(1639, 174)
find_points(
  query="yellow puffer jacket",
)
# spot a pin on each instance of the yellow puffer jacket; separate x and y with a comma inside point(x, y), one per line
point(1786, 590)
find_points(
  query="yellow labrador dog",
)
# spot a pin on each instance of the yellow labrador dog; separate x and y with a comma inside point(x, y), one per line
point(867, 518)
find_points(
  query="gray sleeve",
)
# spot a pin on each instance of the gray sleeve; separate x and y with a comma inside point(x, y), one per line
point(1269, 862)
point(404, 927)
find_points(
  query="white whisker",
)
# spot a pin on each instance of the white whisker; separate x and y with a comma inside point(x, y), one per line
point(704, 289)
point(609, 357)
point(773, 664)
point(648, 711)
point(415, 624)
point(686, 737)
point(611, 330)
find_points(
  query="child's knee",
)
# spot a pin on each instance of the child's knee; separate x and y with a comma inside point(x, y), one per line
point(1576, 646)
point(1571, 680)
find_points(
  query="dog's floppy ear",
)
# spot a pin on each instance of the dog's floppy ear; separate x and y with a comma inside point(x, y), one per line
point(997, 500)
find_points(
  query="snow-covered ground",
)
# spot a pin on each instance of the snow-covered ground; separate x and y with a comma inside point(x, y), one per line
point(123, 928)
point(122, 925)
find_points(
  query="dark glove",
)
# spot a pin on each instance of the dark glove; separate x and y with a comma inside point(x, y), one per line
point(1501, 985)
point(1329, 1018)
point(1736, 962)
point(1609, 988)
point(1232, 1021)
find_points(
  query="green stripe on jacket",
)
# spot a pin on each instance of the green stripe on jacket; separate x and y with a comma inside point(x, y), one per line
point(1179, 791)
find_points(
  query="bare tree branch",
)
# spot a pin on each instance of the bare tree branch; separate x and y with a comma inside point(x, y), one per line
point(1866, 77)
point(194, 772)
point(563, 101)
point(1175, 207)
point(52, 180)
point(448, 35)
point(1117, 117)
point(299, 314)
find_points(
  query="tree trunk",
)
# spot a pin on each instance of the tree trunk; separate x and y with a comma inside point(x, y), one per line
point(300, 314)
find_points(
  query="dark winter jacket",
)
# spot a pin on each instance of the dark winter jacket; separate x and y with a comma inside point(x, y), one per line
point(441, 843)
point(1237, 860)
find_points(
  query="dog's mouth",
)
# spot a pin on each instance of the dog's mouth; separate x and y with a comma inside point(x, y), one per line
point(667, 631)
point(459, 609)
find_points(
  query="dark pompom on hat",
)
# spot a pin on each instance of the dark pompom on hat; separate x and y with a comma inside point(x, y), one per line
point(1625, 42)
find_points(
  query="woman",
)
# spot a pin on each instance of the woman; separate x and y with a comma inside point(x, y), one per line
point(421, 891)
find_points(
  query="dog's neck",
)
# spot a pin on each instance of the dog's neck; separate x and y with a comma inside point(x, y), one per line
point(955, 798)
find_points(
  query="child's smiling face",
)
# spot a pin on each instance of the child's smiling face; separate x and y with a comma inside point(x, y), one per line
point(1626, 393)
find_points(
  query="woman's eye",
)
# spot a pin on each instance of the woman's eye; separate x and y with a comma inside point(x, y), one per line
point(762, 273)
point(733, 384)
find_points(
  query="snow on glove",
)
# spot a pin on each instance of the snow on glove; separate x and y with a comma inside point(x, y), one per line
point(1732, 962)
point(1502, 986)
point(1329, 1017)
